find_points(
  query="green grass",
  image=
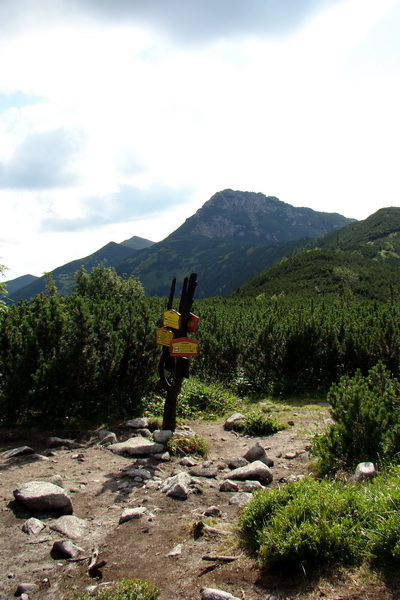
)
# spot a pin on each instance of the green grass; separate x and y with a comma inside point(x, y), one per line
point(126, 589)
point(314, 523)
point(194, 445)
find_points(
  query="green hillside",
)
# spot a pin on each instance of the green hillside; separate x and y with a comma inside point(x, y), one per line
point(363, 258)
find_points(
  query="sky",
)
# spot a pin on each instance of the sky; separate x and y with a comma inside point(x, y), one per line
point(123, 117)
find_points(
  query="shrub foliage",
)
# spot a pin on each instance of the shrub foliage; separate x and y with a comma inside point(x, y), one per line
point(366, 413)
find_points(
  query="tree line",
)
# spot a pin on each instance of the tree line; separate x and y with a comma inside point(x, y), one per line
point(93, 356)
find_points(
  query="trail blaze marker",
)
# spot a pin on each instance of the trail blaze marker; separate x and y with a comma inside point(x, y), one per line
point(177, 347)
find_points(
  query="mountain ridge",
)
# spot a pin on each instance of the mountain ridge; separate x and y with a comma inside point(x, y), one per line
point(228, 240)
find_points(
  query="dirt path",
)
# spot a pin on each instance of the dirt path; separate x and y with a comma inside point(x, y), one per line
point(94, 478)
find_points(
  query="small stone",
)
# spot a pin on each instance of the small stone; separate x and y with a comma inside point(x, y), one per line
point(177, 551)
point(70, 526)
point(240, 499)
point(33, 526)
point(57, 480)
point(236, 463)
point(21, 451)
point(212, 511)
point(161, 436)
point(138, 423)
point(290, 455)
point(26, 588)
point(188, 461)
point(364, 471)
point(67, 548)
point(228, 486)
point(210, 473)
point(252, 486)
point(255, 471)
point(232, 420)
point(141, 473)
point(215, 594)
point(132, 513)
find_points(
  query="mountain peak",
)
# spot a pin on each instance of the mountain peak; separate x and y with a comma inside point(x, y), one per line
point(254, 217)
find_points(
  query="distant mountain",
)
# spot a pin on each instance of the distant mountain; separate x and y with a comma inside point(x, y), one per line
point(364, 257)
point(227, 241)
point(13, 285)
point(234, 236)
point(137, 243)
point(256, 218)
point(64, 277)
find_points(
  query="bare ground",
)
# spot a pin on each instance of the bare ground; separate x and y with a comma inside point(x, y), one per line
point(94, 478)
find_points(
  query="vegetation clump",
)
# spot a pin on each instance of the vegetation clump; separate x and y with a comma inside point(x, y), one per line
point(126, 589)
point(257, 423)
point(190, 445)
point(366, 413)
point(314, 523)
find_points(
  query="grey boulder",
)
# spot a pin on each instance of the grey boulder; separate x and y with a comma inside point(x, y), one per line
point(43, 495)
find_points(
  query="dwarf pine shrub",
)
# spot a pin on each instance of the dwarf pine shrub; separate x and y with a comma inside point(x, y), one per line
point(366, 413)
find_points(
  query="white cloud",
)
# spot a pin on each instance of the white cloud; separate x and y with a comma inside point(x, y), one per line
point(122, 118)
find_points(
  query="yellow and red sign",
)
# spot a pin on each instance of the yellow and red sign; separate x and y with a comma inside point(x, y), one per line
point(164, 336)
point(184, 346)
point(193, 323)
point(172, 319)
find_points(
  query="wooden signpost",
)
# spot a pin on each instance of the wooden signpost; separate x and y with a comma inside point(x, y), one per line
point(177, 346)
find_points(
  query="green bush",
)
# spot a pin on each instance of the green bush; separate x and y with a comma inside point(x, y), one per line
point(126, 589)
point(198, 398)
point(315, 523)
point(366, 422)
point(256, 423)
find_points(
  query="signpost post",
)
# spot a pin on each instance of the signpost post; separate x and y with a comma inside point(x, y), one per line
point(177, 347)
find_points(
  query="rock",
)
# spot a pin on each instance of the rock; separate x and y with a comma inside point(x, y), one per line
point(235, 463)
point(33, 526)
point(57, 480)
point(107, 437)
point(177, 486)
point(138, 423)
point(161, 436)
point(141, 473)
point(136, 446)
point(240, 499)
point(252, 486)
point(43, 495)
point(21, 451)
point(57, 442)
point(132, 513)
point(66, 548)
point(204, 472)
point(212, 511)
point(177, 551)
point(257, 452)
point(188, 461)
point(164, 457)
point(26, 588)
point(256, 471)
point(228, 486)
point(144, 432)
point(364, 471)
point(290, 455)
point(230, 422)
point(70, 526)
point(214, 594)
